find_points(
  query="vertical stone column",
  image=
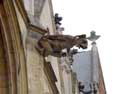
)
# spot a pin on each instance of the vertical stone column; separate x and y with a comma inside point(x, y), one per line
point(4, 86)
point(95, 64)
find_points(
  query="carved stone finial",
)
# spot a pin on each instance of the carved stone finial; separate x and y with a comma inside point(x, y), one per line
point(93, 37)
point(58, 19)
point(58, 23)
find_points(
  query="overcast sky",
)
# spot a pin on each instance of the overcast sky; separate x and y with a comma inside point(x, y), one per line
point(107, 18)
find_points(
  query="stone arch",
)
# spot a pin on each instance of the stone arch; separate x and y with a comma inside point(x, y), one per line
point(7, 66)
point(4, 71)
point(12, 57)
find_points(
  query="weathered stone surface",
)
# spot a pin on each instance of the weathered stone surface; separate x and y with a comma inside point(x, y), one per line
point(38, 6)
point(37, 80)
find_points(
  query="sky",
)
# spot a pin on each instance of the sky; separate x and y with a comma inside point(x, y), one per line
point(107, 18)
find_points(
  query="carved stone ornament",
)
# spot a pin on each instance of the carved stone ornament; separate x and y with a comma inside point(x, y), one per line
point(54, 44)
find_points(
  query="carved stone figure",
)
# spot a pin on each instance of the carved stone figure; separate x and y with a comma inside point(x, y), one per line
point(54, 44)
point(58, 19)
point(58, 23)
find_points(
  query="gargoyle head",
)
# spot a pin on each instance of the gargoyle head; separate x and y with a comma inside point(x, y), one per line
point(81, 41)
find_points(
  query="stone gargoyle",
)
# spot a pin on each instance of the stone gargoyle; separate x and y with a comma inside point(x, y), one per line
point(54, 44)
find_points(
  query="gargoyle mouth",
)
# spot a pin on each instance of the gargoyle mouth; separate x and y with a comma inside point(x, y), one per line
point(83, 46)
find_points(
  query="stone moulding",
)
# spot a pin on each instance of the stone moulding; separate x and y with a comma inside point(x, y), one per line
point(22, 11)
point(13, 49)
point(37, 29)
point(51, 76)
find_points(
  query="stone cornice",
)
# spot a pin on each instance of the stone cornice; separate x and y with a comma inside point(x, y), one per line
point(22, 11)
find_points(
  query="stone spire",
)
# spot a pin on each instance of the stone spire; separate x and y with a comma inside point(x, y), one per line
point(94, 62)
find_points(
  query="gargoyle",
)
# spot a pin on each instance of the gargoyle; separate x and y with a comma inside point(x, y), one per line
point(54, 44)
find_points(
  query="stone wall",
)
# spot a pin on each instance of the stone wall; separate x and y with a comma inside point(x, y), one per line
point(47, 17)
point(38, 82)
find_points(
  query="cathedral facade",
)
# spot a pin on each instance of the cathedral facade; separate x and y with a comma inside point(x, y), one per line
point(23, 70)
